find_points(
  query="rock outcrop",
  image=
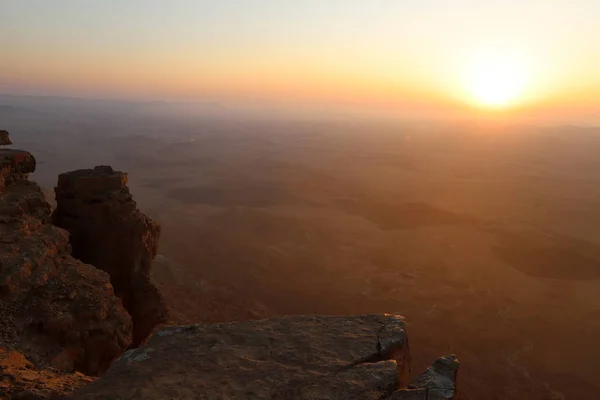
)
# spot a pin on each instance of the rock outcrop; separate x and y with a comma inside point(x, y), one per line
point(55, 311)
point(304, 357)
point(4, 139)
point(109, 232)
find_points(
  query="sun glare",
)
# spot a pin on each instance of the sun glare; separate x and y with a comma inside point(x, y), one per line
point(496, 80)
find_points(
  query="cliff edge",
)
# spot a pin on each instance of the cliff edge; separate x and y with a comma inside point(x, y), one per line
point(62, 323)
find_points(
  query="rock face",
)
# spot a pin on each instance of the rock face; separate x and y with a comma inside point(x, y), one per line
point(4, 139)
point(109, 232)
point(305, 357)
point(55, 311)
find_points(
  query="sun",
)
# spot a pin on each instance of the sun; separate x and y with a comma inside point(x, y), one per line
point(496, 80)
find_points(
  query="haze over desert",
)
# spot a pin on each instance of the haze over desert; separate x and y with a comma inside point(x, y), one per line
point(483, 237)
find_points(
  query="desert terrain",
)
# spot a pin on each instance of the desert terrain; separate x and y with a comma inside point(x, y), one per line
point(484, 236)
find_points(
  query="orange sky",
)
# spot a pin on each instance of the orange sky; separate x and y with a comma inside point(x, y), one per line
point(370, 53)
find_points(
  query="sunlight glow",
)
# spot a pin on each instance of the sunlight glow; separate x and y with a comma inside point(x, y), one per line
point(497, 80)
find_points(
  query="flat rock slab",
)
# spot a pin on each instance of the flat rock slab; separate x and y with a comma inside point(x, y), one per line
point(297, 357)
point(94, 183)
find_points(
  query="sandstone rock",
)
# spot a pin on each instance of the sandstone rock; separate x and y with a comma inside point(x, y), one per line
point(439, 379)
point(4, 139)
point(55, 310)
point(109, 232)
point(19, 379)
point(304, 357)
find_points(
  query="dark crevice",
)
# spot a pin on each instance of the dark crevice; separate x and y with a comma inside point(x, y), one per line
point(378, 356)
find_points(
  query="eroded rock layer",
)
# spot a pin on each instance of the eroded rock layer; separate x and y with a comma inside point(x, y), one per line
point(109, 232)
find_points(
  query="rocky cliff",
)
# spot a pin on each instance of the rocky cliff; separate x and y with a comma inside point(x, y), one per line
point(58, 313)
point(109, 232)
point(62, 323)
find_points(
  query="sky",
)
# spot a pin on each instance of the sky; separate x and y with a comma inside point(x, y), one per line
point(376, 52)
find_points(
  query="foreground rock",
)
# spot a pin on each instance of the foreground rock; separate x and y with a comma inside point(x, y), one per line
point(4, 139)
point(109, 232)
point(19, 379)
point(342, 357)
point(56, 310)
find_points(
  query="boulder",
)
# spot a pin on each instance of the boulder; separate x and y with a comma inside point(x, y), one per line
point(108, 231)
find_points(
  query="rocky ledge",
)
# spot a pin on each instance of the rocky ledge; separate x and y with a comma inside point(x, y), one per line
point(303, 357)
